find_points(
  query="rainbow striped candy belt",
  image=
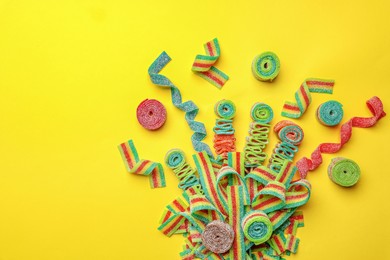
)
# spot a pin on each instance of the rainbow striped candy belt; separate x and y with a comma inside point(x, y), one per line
point(226, 196)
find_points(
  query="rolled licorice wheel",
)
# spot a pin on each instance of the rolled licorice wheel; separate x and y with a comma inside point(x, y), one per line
point(292, 134)
point(344, 172)
point(151, 114)
point(262, 113)
point(257, 227)
point(218, 237)
point(225, 109)
point(330, 113)
point(266, 66)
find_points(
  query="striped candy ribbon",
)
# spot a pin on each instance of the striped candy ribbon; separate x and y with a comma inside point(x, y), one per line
point(189, 107)
point(208, 180)
point(228, 172)
point(303, 96)
point(203, 65)
point(202, 209)
point(236, 206)
point(134, 165)
point(374, 104)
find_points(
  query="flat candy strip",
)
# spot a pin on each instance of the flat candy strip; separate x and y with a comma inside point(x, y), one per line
point(189, 107)
point(303, 96)
point(236, 213)
point(203, 65)
point(374, 104)
point(208, 179)
point(134, 165)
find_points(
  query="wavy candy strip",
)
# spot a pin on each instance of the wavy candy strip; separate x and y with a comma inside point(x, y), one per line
point(374, 104)
point(189, 107)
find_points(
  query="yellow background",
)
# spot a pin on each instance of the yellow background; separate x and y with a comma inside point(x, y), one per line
point(72, 73)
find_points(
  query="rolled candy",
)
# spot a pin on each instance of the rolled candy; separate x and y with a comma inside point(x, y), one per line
point(330, 113)
point(262, 113)
point(266, 66)
point(344, 172)
point(218, 237)
point(151, 114)
point(291, 133)
point(225, 109)
point(257, 227)
point(174, 158)
point(281, 124)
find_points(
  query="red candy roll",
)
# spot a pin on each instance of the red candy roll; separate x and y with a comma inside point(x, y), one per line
point(151, 114)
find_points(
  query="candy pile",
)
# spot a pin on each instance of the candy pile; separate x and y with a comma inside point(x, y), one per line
point(233, 206)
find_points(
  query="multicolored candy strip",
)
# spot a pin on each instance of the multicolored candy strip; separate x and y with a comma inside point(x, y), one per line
point(134, 165)
point(374, 104)
point(303, 96)
point(189, 107)
point(203, 65)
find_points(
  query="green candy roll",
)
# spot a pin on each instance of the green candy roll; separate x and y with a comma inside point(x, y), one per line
point(262, 113)
point(257, 227)
point(266, 66)
point(174, 158)
point(344, 172)
point(330, 113)
point(225, 109)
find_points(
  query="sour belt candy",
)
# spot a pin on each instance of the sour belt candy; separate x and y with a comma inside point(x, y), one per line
point(330, 113)
point(151, 114)
point(134, 165)
point(203, 65)
point(374, 104)
point(344, 172)
point(303, 96)
point(188, 107)
point(266, 66)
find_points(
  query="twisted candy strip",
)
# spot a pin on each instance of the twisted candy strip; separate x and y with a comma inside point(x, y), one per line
point(175, 160)
point(224, 140)
point(257, 140)
point(203, 65)
point(376, 107)
point(188, 107)
point(291, 135)
point(303, 96)
point(134, 165)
